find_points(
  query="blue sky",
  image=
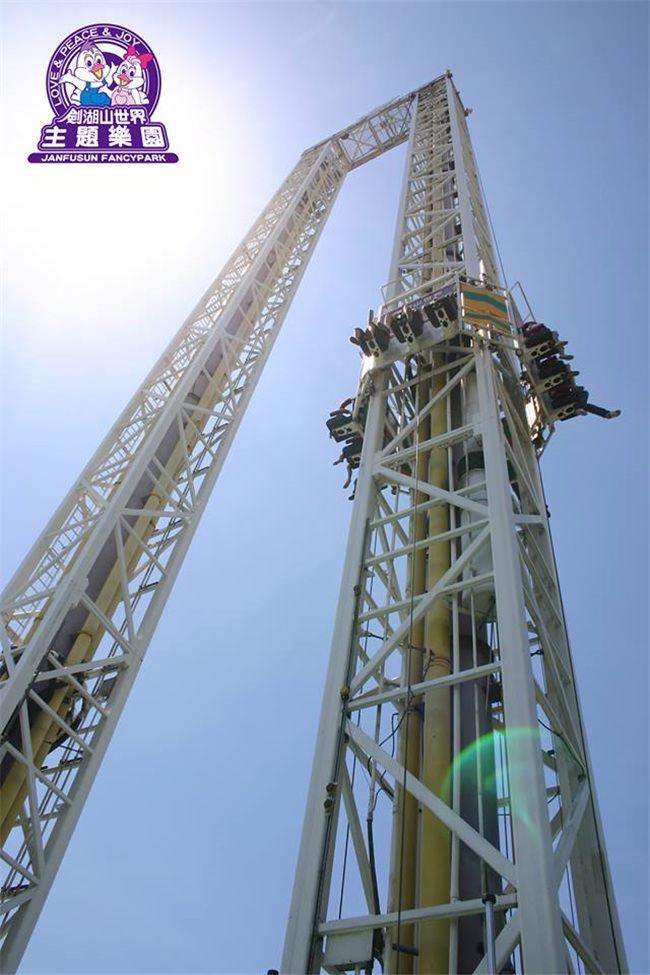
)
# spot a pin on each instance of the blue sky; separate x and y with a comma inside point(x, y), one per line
point(184, 857)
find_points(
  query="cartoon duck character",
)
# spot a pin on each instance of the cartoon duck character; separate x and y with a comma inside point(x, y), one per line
point(129, 79)
point(90, 77)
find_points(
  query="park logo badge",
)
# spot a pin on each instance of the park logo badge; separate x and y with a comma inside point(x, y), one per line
point(103, 84)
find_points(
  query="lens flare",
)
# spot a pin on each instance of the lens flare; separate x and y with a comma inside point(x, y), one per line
point(487, 754)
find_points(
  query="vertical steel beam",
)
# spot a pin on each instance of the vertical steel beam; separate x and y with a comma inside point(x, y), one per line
point(542, 940)
point(309, 898)
point(470, 243)
point(402, 886)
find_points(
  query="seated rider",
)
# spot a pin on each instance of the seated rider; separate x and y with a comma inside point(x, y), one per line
point(343, 408)
point(578, 396)
point(540, 335)
point(528, 328)
point(553, 366)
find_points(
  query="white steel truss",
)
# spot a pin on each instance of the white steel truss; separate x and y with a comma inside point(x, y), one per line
point(80, 612)
point(451, 823)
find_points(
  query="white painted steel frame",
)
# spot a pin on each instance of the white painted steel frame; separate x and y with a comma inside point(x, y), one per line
point(137, 538)
point(80, 611)
point(553, 846)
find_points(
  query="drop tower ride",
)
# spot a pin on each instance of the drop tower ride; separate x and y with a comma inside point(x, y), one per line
point(452, 823)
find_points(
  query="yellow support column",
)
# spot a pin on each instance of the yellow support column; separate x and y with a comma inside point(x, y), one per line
point(435, 851)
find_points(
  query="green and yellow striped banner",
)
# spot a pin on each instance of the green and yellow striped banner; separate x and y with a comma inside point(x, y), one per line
point(482, 307)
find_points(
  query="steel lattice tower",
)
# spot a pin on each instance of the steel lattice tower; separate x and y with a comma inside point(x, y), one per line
point(452, 824)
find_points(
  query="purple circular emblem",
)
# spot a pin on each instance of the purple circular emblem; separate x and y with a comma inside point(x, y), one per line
point(103, 65)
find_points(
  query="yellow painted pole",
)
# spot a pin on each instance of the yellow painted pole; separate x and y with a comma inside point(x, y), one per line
point(435, 852)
